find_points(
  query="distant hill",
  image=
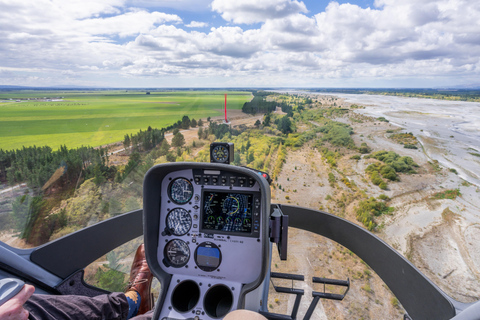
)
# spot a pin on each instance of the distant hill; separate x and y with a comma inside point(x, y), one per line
point(62, 87)
point(3, 87)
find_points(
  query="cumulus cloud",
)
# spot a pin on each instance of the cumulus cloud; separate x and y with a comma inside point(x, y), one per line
point(81, 9)
point(130, 23)
point(396, 33)
point(252, 11)
point(434, 38)
point(197, 24)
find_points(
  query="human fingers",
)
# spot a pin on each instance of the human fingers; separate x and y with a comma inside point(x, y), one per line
point(24, 294)
point(13, 308)
point(244, 315)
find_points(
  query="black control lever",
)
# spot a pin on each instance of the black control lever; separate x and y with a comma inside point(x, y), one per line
point(279, 231)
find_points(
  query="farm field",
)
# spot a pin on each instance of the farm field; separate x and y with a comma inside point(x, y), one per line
point(100, 117)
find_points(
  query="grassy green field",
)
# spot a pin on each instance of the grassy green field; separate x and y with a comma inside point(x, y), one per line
point(100, 117)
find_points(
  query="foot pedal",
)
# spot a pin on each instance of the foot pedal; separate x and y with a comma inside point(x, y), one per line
point(334, 282)
point(298, 292)
point(326, 295)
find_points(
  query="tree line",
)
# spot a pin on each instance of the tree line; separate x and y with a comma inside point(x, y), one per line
point(35, 165)
point(259, 104)
point(144, 140)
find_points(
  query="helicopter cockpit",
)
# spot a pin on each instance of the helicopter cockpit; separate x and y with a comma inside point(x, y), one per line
point(209, 231)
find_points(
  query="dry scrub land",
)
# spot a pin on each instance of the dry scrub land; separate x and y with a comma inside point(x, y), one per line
point(435, 234)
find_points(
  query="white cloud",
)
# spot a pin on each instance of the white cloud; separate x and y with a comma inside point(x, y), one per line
point(395, 34)
point(252, 11)
point(184, 5)
point(81, 9)
point(197, 24)
point(395, 39)
point(130, 23)
point(230, 41)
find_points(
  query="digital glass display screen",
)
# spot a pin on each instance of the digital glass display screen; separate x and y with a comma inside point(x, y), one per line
point(227, 211)
point(208, 257)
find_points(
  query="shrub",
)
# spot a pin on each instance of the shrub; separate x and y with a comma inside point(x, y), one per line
point(364, 148)
point(447, 194)
point(394, 302)
point(383, 197)
point(368, 209)
point(331, 179)
point(367, 288)
point(388, 173)
point(400, 164)
point(376, 179)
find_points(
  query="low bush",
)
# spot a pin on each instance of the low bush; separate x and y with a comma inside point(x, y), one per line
point(368, 209)
point(447, 194)
point(338, 134)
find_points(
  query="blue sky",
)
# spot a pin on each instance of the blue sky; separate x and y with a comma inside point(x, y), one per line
point(242, 43)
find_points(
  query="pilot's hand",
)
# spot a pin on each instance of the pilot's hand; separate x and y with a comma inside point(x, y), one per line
point(244, 315)
point(13, 308)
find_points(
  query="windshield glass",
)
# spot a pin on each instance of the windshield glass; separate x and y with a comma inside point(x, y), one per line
point(95, 93)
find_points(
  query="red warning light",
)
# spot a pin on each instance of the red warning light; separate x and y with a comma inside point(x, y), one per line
point(264, 175)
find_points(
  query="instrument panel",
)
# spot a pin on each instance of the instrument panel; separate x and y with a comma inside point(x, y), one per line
point(201, 217)
point(211, 230)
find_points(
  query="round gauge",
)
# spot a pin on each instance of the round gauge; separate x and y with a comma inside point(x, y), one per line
point(179, 221)
point(180, 190)
point(231, 205)
point(177, 253)
point(220, 154)
point(208, 256)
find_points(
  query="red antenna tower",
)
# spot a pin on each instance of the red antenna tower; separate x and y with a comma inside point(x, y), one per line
point(226, 121)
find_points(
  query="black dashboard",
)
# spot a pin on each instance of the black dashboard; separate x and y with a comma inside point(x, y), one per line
point(206, 238)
